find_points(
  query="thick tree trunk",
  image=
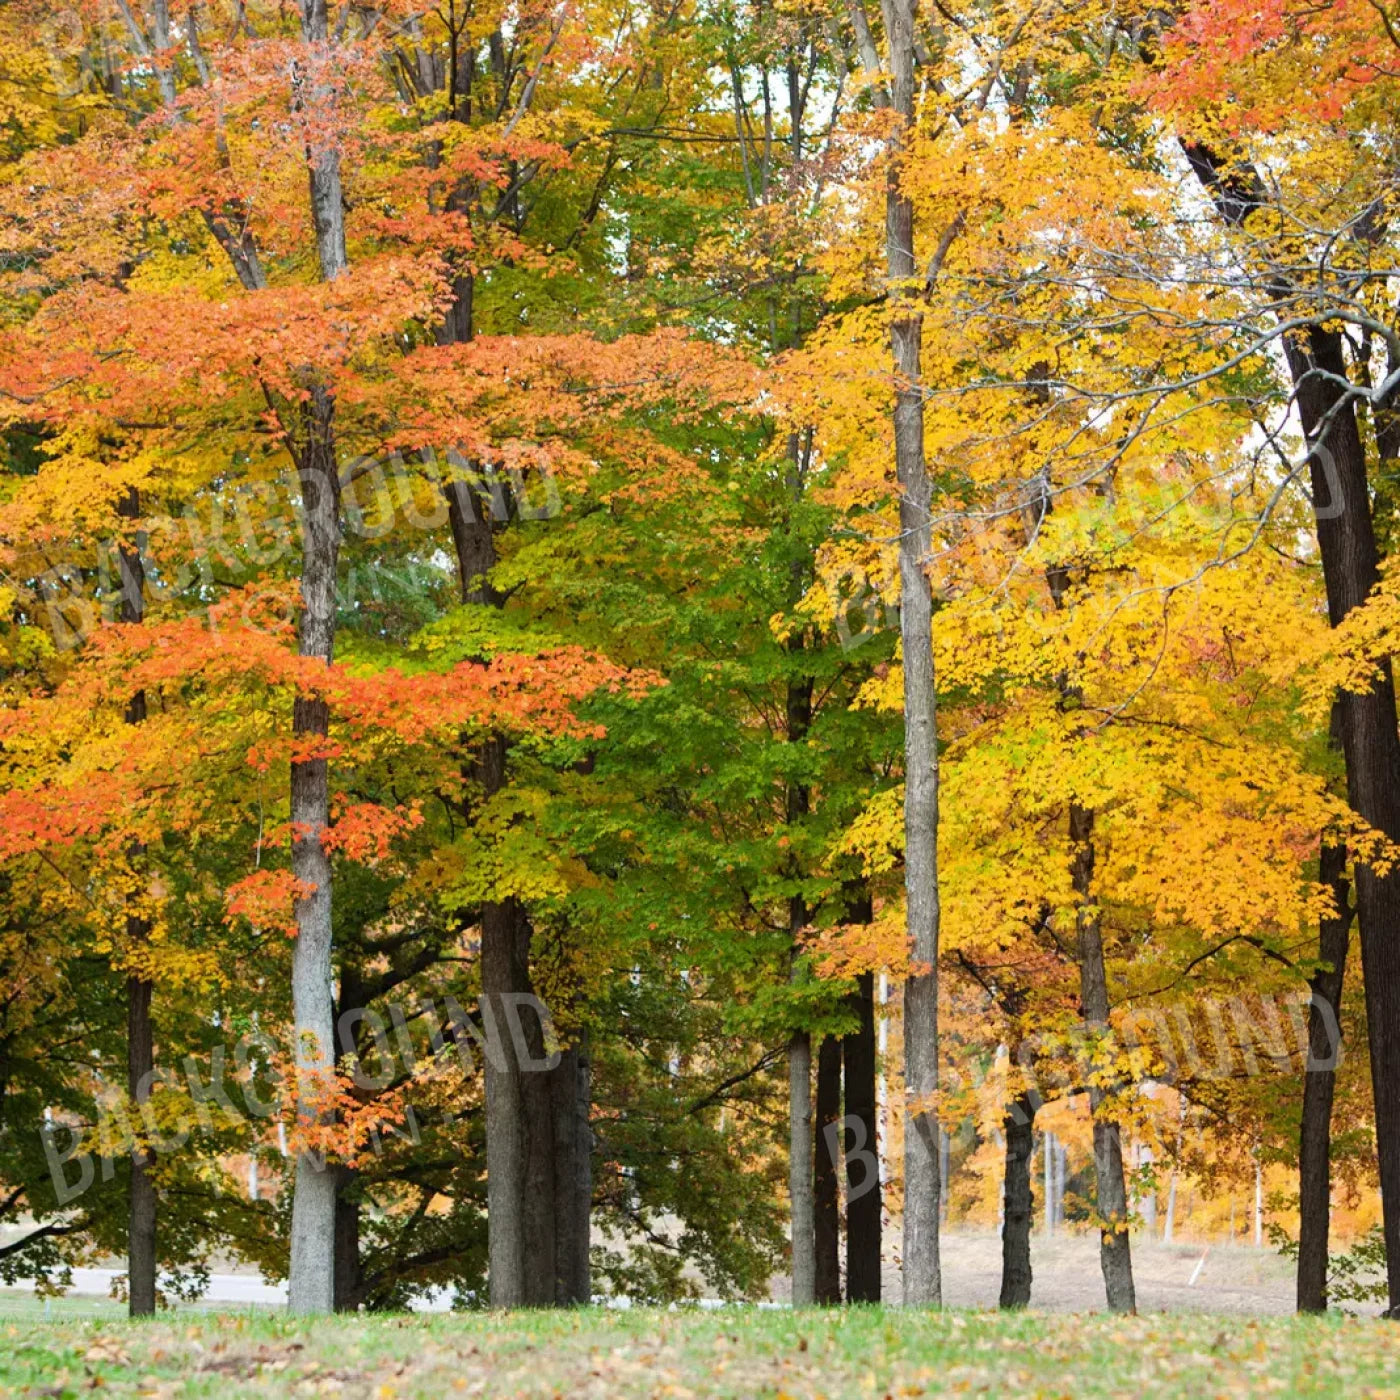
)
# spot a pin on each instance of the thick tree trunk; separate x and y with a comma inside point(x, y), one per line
point(140, 1044)
point(804, 1265)
point(863, 1194)
point(1115, 1251)
point(826, 1203)
point(1319, 1083)
point(1018, 1203)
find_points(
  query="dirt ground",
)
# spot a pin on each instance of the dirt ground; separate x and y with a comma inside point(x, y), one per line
point(1234, 1279)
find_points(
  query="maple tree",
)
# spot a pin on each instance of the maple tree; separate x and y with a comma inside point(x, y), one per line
point(681, 514)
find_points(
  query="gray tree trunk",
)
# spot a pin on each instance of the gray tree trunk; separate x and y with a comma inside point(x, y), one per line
point(804, 1263)
point(826, 1205)
point(923, 1283)
point(1115, 1251)
point(311, 1280)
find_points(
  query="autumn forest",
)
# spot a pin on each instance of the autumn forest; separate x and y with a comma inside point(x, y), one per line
point(674, 649)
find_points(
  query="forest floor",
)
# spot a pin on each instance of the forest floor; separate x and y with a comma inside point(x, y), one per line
point(743, 1353)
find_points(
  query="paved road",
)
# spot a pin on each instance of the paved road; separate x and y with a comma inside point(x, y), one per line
point(235, 1290)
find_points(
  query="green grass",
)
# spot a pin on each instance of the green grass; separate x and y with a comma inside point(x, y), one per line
point(740, 1353)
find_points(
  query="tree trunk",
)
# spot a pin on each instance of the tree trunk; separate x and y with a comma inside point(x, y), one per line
point(311, 1278)
point(863, 1195)
point(347, 1240)
point(1324, 1045)
point(1350, 568)
point(1018, 1203)
point(800, 1156)
point(923, 1284)
point(504, 968)
point(804, 1267)
point(573, 1175)
point(541, 1151)
point(537, 1224)
point(140, 1044)
point(141, 1220)
point(311, 1282)
point(826, 1204)
point(1346, 541)
point(1115, 1251)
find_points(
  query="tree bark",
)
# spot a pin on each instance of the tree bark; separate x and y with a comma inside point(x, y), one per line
point(1115, 1251)
point(541, 1153)
point(1346, 541)
point(504, 969)
point(1018, 1204)
point(141, 1220)
point(311, 1278)
point(923, 1285)
point(140, 1044)
point(1370, 743)
point(863, 1198)
point(1324, 1046)
point(311, 1282)
point(573, 1178)
point(826, 1203)
point(348, 1274)
point(804, 1265)
point(800, 1155)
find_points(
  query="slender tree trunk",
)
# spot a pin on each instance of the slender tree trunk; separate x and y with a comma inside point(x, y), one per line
point(348, 1273)
point(573, 1179)
point(348, 1276)
point(311, 1278)
point(1018, 1203)
point(804, 1264)
point(503, 931)
point(1319, 1083)
point(140, 1044)
point(141, 1219)
point(525, 1190)
point(541, 1159)
point(863, 1193)
point(923, 1284)
point(826, 1203)
point(1115, 1251)
point(800, 1146)
point(311, 1282)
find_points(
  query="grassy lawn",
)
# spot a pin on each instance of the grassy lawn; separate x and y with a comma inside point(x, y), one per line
point(738, 1353)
